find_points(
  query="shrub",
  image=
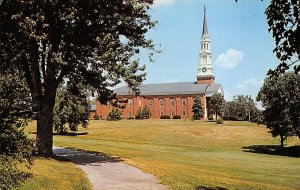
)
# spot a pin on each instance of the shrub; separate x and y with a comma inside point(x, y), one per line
point(143, 113)
point(114, 115)
point(176, 117)
point(220, 121)
point(210, 117)
point(165, 117)
point(139, 114)
point(130, 118)
point(96, 117)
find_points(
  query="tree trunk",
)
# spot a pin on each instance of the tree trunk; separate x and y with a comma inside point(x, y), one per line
point(45, 132)
point(281, 141)
point(45, 123)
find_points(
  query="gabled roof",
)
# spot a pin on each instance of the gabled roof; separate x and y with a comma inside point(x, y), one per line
point(167, 89)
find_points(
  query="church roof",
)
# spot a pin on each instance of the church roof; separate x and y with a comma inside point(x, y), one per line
point(179, 88)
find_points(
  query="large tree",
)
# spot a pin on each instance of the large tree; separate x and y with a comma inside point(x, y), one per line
point(92, 42)
point(281, 99)
point(216, 104)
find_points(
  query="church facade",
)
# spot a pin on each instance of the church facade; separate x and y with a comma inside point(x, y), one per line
point(172, 98)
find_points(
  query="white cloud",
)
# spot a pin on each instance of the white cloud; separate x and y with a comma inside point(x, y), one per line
point(231, 59)
point(165, 3)
point(249, 83)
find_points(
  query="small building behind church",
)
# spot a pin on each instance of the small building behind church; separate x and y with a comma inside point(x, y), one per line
point(172, 98)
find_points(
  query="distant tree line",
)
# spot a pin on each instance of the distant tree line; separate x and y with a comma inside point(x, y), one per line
point(242, 108)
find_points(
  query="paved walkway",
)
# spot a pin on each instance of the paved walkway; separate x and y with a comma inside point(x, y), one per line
point(107, 173)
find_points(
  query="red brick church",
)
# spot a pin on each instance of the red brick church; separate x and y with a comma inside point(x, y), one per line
point(172, 98)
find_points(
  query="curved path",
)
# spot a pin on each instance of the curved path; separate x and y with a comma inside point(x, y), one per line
point(107, 173)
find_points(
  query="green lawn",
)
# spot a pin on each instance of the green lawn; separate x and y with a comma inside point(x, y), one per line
point(188, 154)
point(50, 174)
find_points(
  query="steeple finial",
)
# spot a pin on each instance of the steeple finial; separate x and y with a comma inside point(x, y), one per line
point(205, 30)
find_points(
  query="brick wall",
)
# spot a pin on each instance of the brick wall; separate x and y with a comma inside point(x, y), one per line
point(160, 105)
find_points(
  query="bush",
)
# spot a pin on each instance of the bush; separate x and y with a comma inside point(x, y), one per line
point(220, 121)
point(130, 118)
point(96, 117)
point(165, 117)
point(176, 117)
point(114, 115)
point(210, 117)
point(143, 113)
point(231, 118)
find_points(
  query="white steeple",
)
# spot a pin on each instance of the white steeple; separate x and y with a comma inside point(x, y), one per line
point(205, 69)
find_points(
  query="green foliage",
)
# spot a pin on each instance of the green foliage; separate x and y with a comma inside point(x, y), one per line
point(143, 113)
point(217, 104)
point(281, 99)
point(93, 43)
point(197, 109)
point(242, 107)
point(176, 117)
point(165, 117)
point(283, 20)
point(15, 147)
point(70, 109)
point(114, 115)
point(220, 121)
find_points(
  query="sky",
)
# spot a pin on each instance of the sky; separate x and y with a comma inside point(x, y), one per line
point(242, 47)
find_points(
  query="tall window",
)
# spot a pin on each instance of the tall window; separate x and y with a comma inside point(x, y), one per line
point(172, 102)
point(183, 113)
point(130, 102)
point(161, 113)
point(183, 102)
point(140, 102)
point(150, 103)
point(161, 102)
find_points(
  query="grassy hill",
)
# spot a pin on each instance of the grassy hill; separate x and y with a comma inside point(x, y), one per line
point(194, 154)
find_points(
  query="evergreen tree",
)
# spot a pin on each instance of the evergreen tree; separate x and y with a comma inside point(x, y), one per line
point(197, 109)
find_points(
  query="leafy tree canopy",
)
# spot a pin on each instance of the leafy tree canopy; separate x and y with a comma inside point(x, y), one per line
point(281, 99)
point(216, 104)
point(93, 43)
point(283, 19)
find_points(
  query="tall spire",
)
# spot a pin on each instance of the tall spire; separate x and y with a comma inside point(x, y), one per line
point(205, 30)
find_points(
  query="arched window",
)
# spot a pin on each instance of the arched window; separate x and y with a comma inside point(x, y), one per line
point(172, 102)
point(161, 102)
point(130, 102)
point(150, 103)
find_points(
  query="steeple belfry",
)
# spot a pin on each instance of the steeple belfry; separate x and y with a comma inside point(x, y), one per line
point(205, 70)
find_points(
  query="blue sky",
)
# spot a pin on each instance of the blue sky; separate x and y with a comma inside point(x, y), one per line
point(241, 45)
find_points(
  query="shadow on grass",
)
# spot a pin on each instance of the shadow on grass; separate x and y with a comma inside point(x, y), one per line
point(292, 151)
point(82, 157)
point(69, 133)
point(210, 188)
